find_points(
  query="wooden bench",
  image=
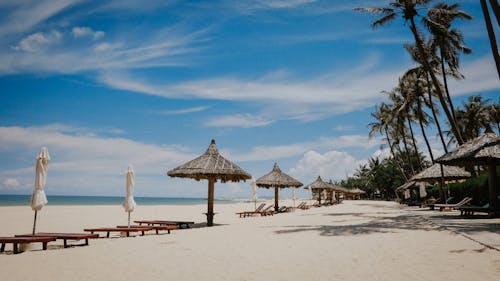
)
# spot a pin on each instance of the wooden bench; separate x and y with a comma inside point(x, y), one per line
point(127, 230)
point(180, 224)
point(15, 241)
point(157, 228)
point(64, 236)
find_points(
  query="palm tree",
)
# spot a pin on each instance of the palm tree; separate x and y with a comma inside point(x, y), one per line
point(408, 9)
point(474, 118)
point(491, 32)
point(494, 115)
point(414, 93)
point(448, 40)
point(420, 72)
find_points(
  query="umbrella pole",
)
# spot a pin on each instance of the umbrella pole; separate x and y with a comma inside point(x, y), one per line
point(34, 223)
point(492, 187)
point(276, 196)
point(210, 209)
point(128, 219)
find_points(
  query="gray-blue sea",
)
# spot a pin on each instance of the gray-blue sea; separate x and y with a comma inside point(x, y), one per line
point(24, 200)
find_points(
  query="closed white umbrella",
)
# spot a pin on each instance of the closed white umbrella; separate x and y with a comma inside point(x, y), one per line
point(253, 184)
point(129, 203)
point(38, 198)
point(294, 197)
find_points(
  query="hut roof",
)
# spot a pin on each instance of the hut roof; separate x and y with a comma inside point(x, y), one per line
point(476, 151)
point(210, 165)
point(357, 191)
point(433, 173)
point(276, 178)
point(318, 184)
point(336, 187)
point(405, 186)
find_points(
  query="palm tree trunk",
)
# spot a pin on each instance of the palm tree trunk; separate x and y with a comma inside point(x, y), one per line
point(407, 152)
point(435, 81)
point(496, 9)
point(419, 108)
point(394, 155)
point(434, 115)
point(491, 35)
point(414, 141)
point(445, 82)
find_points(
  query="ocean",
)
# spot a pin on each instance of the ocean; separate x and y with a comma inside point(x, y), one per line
point(24, 200)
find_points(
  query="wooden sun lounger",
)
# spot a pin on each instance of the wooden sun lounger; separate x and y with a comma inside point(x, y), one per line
point(15, 241)
point(449, 207)
point(470, 210)
point(127, 230)
point(64, 236)
point(180, 224)
point(157, 228)
point(245, 214)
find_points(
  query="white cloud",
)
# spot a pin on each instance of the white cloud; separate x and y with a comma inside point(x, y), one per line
point(480, 75)
point(85, 163)
point(84, 31)
point(25, 14)
point(330, 165)
point(184, 111)
point(11, 184)
point(276, 152)
point(38, 41)
point(167, 47)
point(238, 120)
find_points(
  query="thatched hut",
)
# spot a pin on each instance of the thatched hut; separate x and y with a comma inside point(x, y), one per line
point(319, 185)
point(277, 179)
point(484, 151)
point(434, 174)
point(210, 166)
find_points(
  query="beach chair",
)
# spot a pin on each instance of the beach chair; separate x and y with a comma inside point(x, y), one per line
point(267, 211)
point(126, 230)
point(179, 224)
point(449, 207)
point(249, 213)
point(15, 241)
point(157, 228)
point(64, 236)
point(470, 210)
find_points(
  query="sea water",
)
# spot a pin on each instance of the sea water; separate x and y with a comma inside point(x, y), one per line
point(24, 200)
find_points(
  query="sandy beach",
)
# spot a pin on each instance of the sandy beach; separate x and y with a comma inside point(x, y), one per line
point(356, 240)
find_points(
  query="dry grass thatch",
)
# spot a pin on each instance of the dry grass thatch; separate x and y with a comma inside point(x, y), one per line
point(433, 173)
point(318, 184)
point(477, 151)
point(276, 178)
point(406, 185)
point(336, 188)
point(210, 165)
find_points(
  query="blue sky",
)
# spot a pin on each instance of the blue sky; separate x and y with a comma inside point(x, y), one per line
point(104, 84)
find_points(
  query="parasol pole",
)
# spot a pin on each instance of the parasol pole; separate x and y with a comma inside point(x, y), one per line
point(276, 195)
point(128, 219)
point(210, 207)
point(34, 222)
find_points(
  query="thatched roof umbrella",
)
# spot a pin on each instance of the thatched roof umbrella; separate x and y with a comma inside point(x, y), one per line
point(433, 173)
point(210, 166)
point(485, 151)
point(277, 179)
point(319, 185)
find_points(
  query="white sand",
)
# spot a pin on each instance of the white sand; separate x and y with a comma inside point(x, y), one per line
point(356, 240)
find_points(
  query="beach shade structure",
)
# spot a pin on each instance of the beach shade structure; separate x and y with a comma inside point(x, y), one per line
point(318, 185)
point(277, 179)
point(210, 166)
point(484, 151)
point(439, 173)
point(253, 185)
point(38, 198)
point(129, 203)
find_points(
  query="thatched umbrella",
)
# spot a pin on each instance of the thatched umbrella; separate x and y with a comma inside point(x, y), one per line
point(277, 179)
point(210, 166)
point(433, 173)
point(484, 151)
point(318, 185)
